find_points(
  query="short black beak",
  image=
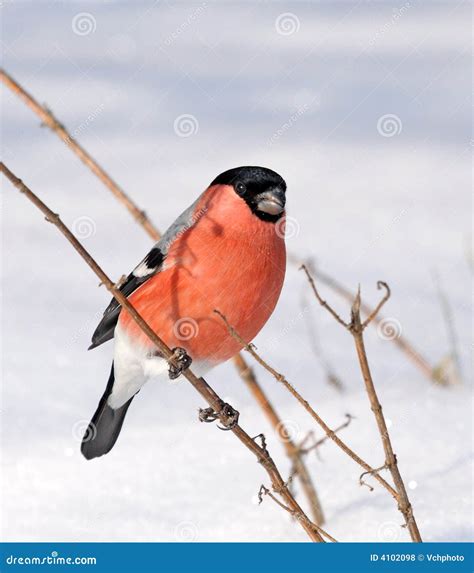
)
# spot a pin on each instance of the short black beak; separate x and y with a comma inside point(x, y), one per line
point(271, 201)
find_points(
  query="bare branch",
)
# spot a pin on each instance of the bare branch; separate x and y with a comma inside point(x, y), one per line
point(316, 444)
point(199, 384)
point(376, 310)
point(404, 504)
point(50, 121)
point(402, 343)
point(356, 328)
point(292, 451)
point(330, 433)
point(265, 491)
point(141, 218)
point(321, 301)
point(375, 471)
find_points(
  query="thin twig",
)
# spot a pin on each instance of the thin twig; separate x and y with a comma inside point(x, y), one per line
point(265, 491)
point(331, 377)
point(250, 348)
point(322, 302)
point(375, 471)
point(210, 396)
point(373, 314)
point(390, 459)
point(356, 328)
point(400, 341)
point(292, 451)
point(315, 445)
point(141, 218)
point(57, 127)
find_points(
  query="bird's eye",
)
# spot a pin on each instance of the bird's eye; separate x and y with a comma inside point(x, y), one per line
point(240, 188)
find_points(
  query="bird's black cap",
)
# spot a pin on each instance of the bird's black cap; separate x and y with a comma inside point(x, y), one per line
point(250, 182)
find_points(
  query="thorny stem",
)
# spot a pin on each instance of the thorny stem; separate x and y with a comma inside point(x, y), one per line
point(356, 328)
point(327, 430)
point(199, 384)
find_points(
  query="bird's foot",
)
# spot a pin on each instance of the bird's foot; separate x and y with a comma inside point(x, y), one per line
point(227, 415)
point(182, 362)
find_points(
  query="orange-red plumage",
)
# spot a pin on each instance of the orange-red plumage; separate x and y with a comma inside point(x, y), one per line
point(228, 260)
point(226, 252)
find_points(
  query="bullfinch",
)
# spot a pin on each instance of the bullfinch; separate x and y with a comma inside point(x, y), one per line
point(225, 252)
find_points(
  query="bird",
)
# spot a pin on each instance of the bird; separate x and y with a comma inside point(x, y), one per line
point(225, 252)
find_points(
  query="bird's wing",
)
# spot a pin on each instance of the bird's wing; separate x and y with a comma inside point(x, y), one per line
point(149, 266)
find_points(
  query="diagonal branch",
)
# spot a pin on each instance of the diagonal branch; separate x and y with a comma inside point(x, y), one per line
point(50, 121)
point(141, 218)
point(293, 452)
point(320, 299)
point(328, 431)
point(210, 396)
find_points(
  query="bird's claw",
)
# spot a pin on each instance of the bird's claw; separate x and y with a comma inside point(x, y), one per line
point(182, 362)
point(227, 415)
point(207, 415)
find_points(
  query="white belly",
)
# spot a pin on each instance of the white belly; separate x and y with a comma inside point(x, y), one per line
point(134, 365)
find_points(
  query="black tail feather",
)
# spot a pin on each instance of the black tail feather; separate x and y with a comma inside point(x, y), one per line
point(105, 426)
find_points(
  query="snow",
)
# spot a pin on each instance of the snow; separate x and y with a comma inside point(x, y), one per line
point(368, 206)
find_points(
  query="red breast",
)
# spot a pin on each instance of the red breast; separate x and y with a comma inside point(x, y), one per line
point(229, 260)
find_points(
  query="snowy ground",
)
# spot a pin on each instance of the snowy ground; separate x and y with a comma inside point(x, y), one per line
point(367, 203)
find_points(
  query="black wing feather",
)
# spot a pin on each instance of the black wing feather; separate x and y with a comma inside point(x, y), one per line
point(150, 265)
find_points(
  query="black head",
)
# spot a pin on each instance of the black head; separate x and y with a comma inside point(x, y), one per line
point(262, 189)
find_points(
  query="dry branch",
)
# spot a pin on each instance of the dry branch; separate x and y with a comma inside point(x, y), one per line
point(356, 327)
point(141, 218)
point(50, 121)
point(406, 347)
point(315, 444)
point(292, 450)
point(331, 434)
point(220, 408)
point(331, 377)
